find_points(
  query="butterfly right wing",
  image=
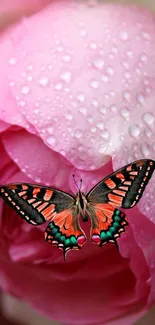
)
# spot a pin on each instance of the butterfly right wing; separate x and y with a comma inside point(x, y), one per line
point(38, 204)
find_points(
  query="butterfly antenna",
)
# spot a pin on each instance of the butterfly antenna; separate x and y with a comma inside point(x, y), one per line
point(78, 187)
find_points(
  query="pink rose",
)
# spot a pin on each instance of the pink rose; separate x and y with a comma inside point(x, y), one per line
point(77, 96)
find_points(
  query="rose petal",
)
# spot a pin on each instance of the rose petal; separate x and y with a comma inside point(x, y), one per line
point(78, 119)
point(36, 160)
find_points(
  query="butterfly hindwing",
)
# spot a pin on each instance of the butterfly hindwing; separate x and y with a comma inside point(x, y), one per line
point(38, 204)
point(122, 189)
point(64, 231)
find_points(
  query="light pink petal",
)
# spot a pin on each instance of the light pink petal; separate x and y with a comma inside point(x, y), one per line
point(37, 161)
point(3, 126)
point(92, 95)
point(21, 7)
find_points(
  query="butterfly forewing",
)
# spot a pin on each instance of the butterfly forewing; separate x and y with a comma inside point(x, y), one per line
point(122, 189)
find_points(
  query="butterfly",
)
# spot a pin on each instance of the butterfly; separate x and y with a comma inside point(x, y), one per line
point(122, 189)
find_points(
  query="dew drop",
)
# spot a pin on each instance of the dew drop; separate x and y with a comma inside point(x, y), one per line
point(83, 32)
point(127, 75)
point(126, 95)
point(25, 90)
point(29, 78)
point(145, 149)
point(123, 35)
point(98, 63)
point(104, 78)
point(66, 58)
point(50, 129)
point(66, 76)
point(43, 81)
point(110, 71)
point(103, 110)
point(134, 130)
point(124, 112)
point(81, 97)
point(93, 129)
point(143, 58)
point(141, 99)
point(68, 116)
point(94, 84)
point(93, 45)
point(50, 140)
point(58, 86)
point(148, 118)
point(113, 108)
point(83, 111)
point(78, 133)
point(105, 134)
point(103, 148)
point(12, 61)
point(22, 103)
point(100, 125)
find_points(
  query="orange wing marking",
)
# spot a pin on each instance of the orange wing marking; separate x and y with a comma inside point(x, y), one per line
point(115, 199)
point(110, 183)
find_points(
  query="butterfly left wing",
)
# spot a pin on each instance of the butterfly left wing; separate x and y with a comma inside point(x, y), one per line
point(122, 189)
point(38, 204)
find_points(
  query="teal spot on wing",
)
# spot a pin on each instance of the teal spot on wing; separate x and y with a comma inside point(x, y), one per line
point(118, 225)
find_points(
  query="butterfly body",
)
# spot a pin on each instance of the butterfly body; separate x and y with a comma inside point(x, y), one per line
point(38, 204)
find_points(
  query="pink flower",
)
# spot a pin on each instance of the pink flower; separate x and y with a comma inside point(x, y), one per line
point(77, 96)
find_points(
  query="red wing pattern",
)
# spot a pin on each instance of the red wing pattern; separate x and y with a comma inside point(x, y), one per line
point(38, 204)
point(124, 189)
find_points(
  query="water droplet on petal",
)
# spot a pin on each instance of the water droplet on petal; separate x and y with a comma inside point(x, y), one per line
point(50, 129)
point(105, 134)
point(148, 118)
point(93, 45)
point(110, 71)
point(123, 35)
point(145, 149)
point(143, 58)
point(113, 108)
point(68, 116)
point(104, 78)
point(81, 97)
point(94, 84)
point(134, 130)
point(25, 90)
point(78, 133)
point(124, 112)
point(98, 63)
point(100, 125)
point(66, 76)
point(50, 140)
point(126, 95)
point(103, 148)
point(43, 81)
point(83, 110)
point(58, 86)
point(12, 61)
point(22, 103)
point(67, 58)
point(141, 99)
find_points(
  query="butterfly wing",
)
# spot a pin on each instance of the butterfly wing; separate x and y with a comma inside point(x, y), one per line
point(122, 189)
point(38, 204)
